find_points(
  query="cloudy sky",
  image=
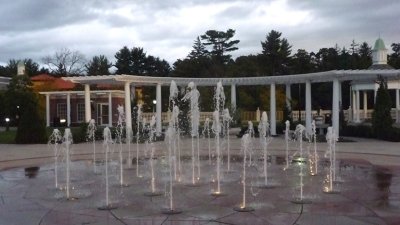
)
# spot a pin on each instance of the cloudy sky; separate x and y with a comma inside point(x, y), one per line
point(167, 28)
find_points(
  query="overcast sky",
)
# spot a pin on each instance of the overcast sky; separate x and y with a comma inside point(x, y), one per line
point(167, 28)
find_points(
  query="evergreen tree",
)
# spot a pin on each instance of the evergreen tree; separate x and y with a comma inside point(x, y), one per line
point(123, 62)
point(276, 52)
point(99, 65)
point(381, 118)
point(394, 58)
point(221, 44)
point(31, 126)
point(199, 50)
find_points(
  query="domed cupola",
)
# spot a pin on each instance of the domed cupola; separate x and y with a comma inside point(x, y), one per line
point(379, 56)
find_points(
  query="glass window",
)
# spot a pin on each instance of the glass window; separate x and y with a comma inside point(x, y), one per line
point(62, 110)
point(80, 112)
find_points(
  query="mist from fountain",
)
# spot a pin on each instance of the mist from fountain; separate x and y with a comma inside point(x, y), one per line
point(314, 158)
point(173, 98)
point(91, 136)
point(119, 134)
point(250, 131)
point(287, 128)
point(331, 139)
point(55, 139)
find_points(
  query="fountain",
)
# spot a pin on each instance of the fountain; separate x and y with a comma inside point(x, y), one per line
point(118, 136)
point(106, 144)
point(226, 119)
point(128, 140)
point(329, 181)
point(245, 146)
point(216, 128)
point(206, 133)
point(55, 139)
point(67, 141)
point(152, 132)
point(138, 120)
point(300, 162)
point(314, 158)
point(265, 139)
point(287, 124)
point(91, 136)
point(193, 96)
point(251, 133)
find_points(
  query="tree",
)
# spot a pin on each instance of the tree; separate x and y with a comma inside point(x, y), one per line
point(99, 65)
point(123, 63)
point(22, 104)
point(66, 62)
point(138, 61)
point(381, 118)
point(394, 58)
point(31, 67)
point(301, 62)
point(276, 52)
point(365, 56)
point(199, 50)
point(221, 44)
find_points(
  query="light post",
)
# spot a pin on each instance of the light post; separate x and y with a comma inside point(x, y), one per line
point(7, 124)
point(154, 104)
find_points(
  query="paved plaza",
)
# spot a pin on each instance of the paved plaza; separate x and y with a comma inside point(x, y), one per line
point(369, 187)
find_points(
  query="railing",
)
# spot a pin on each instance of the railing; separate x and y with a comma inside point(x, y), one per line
point(255, 115)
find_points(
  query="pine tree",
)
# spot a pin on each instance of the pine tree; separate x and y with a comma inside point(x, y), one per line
point(381, 118)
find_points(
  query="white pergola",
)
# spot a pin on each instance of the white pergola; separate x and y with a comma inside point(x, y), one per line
point(334, 76)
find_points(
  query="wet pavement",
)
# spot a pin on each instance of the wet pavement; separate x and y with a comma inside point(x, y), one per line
point(368, 186)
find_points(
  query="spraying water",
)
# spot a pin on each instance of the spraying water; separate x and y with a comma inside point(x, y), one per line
point(138, 119)
point(119, 134)
point(250, 131)
point(331, 138)
point(226, 119)
point(193, 96)
point(55, 139)
point(265, 139)
point(314, 159)
point(245, 142)
point(91, 129)
point(216, 128)
point(173, 97)
point(106, 145)
point(152, 133)
point(67, 141)
point(287, 123)
point(206, 130)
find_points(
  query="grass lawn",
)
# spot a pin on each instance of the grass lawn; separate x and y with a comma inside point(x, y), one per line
point(7, 137)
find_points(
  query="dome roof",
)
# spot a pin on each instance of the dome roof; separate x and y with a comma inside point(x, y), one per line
point(379, 45)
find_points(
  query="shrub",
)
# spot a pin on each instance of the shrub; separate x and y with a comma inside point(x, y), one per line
point(381, 118)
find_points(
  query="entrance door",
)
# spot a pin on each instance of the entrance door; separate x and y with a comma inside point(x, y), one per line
point(102, 113)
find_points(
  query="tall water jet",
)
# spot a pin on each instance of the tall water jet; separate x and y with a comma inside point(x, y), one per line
point(129, 135)
point(91, 136)
point(300, 161)
point(106, 145)
point(331, 139)
point(170, 135)
point(173, 98)
point(67, 141)
point(55, 139)
point(245, 142)
point(219, 99)
point(118, 136)
point(138, 120)
point(152, 132)
point(193, 95)
point(226, 119)
point(265, 139)
point(314, 159)
point(287, 124)
point(206, 133)
point(251, 133)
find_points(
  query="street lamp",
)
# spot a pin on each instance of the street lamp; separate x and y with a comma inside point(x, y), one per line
point(154, 104)
point(7, 123)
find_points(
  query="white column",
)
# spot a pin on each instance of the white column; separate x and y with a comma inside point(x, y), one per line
point(109, 109)
point(308, 106)
point(68, 109)
point(233, 97)
point(48, 110)
point(288, 96)
point(272, 108)
point(397, 105)
point(88, 112)
point(158, 109)
point(335, 106)
point(128, 112)
point(357, 106)
point(365, 104)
